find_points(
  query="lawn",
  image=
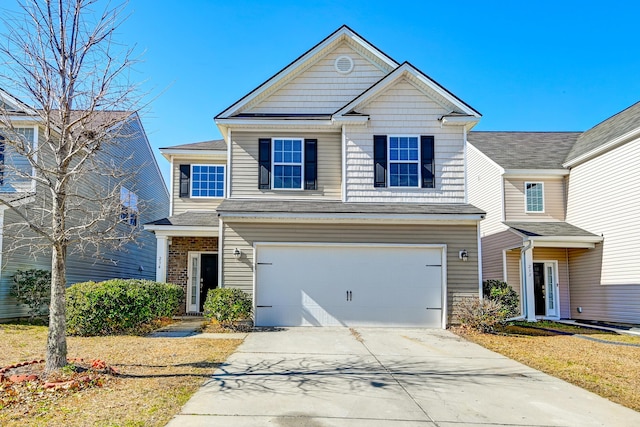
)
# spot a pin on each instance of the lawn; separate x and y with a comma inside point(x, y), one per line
point(157, 376)
point(594, 360)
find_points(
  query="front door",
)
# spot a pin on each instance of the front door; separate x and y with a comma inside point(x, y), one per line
point(545, 286)
point(203, 275)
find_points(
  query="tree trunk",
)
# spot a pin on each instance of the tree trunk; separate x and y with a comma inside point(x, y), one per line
point(57, 338)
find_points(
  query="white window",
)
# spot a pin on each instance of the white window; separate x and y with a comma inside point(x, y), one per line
point(287, 162)
point(207, 180)
point(128, 206)
point(404, 161)
point(534, 196)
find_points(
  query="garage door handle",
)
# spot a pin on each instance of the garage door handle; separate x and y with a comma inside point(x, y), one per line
point(434, 308)
point(264, 306)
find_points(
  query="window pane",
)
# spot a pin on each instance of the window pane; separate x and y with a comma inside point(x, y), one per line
point(534, 196)
point(207, 180)
point(287, 168)
point(404, 157)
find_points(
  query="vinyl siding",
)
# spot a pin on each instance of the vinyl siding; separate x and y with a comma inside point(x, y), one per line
point(603, 199)
point(403, 109)
point(484, 180)
point(492, 259)
point(612, 303)
point(245, 166)
point(183, 204)
point(560, 255)
point(554, 200)
point(462, 276)
point(320, 88)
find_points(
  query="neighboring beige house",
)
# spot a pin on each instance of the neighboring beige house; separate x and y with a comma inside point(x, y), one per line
point(561, 223)
point(143, 198)
point(338, 196)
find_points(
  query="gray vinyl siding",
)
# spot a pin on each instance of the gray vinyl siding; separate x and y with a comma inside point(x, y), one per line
point(560, 255)
point(612, 303)
point(244, 163)
point(554, 200)
point(462, 277)
point(137, 259)
point(183, 204)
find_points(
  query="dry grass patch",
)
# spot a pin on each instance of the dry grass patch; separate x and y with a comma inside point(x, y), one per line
point(157, 376)
point(612, 371)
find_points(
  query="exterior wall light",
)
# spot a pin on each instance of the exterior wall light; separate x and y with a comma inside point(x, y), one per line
point(237, 253)
point(463, 255)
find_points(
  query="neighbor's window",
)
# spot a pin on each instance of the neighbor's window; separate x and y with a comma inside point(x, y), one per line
point(534, 194)
point(287, 163)
point(128, 206)
point(404, 161)
point(207, 180)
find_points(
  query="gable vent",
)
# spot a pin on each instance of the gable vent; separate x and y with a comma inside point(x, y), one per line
point(343, 64)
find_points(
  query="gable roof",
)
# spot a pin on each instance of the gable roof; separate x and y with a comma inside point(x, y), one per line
point(216, 144)
point(525, 150)
point(342, 33)
point(616, 129)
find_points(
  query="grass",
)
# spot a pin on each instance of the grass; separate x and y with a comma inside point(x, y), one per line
point(607, 369)
point(157, 376)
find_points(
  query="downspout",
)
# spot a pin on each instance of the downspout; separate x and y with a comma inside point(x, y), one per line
point(523, 286)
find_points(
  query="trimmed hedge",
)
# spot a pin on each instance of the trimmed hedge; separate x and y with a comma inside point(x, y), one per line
point(119, 306)
point(227, 305)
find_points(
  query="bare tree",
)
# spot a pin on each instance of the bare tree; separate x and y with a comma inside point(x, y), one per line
point(60, 57)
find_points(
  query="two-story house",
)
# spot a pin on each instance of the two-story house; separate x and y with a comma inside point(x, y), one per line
point(560, 218)
point(338, 196)
point(142, 198)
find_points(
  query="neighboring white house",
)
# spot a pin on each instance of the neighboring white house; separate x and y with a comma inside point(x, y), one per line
point(338, 196)
point(143, 198)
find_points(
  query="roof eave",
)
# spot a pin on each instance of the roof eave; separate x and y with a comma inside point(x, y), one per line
point(622, 139)
point(535, 173)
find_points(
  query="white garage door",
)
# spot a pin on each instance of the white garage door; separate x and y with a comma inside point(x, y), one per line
point(348, 285)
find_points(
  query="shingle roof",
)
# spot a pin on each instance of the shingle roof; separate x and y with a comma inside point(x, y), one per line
point(615, 126)
point(541, 229)
point(525, 150)
point(190, 219)
point(216, 144)
point(304, 206)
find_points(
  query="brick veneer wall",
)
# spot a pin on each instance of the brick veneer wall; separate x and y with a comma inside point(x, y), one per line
point(177, 263)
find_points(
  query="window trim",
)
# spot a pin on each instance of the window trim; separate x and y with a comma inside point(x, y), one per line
point(418, 162)
point(526, 204)
point(191, 180)
point(274, 163)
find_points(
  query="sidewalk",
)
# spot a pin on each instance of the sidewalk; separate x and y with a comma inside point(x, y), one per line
point(191, 327)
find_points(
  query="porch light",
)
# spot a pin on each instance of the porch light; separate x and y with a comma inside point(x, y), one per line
point(237, 253)
point(463, 255)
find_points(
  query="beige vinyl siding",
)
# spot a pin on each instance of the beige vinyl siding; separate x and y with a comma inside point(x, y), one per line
point(462, 277)
point(320, 88)
point(613, 303)
point(603, 199)
point(559, 255)
point(484, 181)
point(403, 109)
point(514, 270)
point(554, 200)
point(183, 204)
point(492, 253)
point(244, 173)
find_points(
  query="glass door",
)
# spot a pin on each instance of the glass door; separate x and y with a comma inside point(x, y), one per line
point(193, 288)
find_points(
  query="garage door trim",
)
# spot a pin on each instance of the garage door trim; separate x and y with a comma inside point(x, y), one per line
point(443, 256)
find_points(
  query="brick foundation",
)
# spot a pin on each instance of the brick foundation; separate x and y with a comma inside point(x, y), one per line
point(458, 299)
point(177, 261)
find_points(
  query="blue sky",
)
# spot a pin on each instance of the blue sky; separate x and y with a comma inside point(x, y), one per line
point(543, 65)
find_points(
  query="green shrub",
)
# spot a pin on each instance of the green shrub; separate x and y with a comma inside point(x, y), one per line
point(227, 305)
point(32, 288)
point(119, 306)
point(481, 314)
point(503, 293)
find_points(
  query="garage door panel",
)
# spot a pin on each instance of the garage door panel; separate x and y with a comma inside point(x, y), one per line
point(332, 285)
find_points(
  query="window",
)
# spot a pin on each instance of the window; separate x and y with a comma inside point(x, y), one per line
point(404, 161)
point(534, 195)
point(287, 163)
point(13, 137)
point(128, 206)
point(207, 180)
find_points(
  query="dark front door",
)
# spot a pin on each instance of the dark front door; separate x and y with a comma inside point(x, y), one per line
point(208, 276)
point(539, 288)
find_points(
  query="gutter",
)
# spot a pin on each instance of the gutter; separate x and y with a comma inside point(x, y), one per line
point(523, 278)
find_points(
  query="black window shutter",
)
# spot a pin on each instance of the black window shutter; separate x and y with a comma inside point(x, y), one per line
point(310, 164)
point(380, 160)
point(264, 164)
point(185, 177)
point(427, 161)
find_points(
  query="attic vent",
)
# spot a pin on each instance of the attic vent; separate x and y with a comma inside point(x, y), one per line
point(343, 64)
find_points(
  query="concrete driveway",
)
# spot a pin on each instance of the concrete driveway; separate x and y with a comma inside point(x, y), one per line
point(386, 377)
